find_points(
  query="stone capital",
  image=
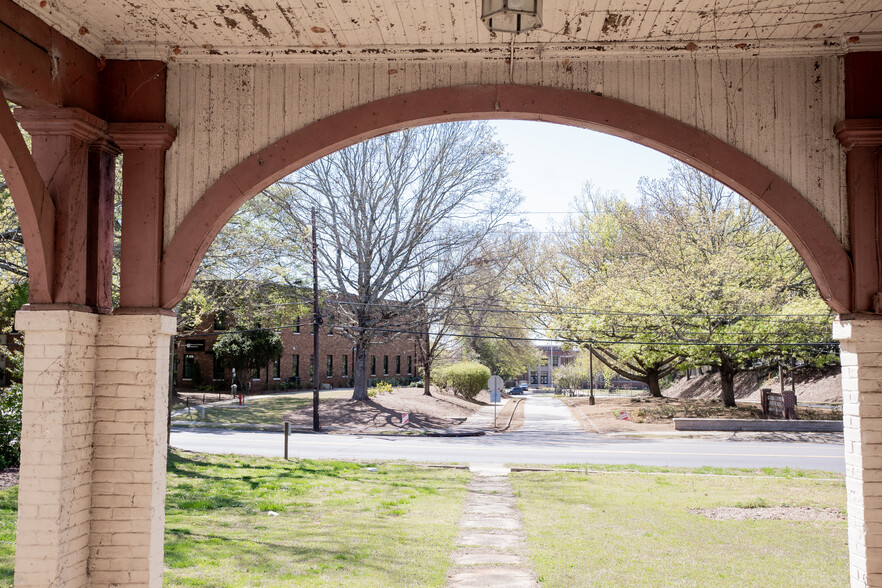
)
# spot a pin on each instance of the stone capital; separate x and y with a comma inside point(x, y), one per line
point(859, 132)
point(143, 136)
point(66, 122)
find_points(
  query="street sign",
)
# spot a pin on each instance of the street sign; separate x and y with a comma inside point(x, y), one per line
point(495, 385)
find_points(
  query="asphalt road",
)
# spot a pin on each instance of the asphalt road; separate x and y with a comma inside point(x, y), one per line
point(549, 436)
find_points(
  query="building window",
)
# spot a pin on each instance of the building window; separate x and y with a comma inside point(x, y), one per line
point(295, 366)
point(397, 365)
point(344, 366)
point(189, 361)
point(296, 328)
point(256, 375)
point(543, 378)
point(330, 367)
point(385, 365)
point(555, 361)
point(330, 331)
point(220, 320)
point(373, 365)
point(409, 365)
point(277, 369)
point(218, 369)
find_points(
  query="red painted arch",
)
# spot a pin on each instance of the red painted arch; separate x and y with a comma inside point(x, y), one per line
point(34, 206)
point(810, 234)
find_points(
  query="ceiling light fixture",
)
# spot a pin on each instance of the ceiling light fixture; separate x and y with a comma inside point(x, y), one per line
point(512, 16)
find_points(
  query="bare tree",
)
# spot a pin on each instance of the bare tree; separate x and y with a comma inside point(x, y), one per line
point(400, 218)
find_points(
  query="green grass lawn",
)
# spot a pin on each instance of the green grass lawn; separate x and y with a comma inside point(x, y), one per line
point(8, 514)
point(237, 521)
point(336, 523)
point(264, 411)
point(633, 529)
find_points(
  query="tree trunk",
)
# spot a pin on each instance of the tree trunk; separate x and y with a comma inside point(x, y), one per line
point(727, 382)
point(360, 378)
point(427, 380)
point(652, 382)
point(427, 361)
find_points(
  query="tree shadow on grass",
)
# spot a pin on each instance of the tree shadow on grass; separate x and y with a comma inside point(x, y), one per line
point(368, 414)
point(186, 549)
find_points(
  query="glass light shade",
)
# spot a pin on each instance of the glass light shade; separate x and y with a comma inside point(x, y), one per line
point(512, 16)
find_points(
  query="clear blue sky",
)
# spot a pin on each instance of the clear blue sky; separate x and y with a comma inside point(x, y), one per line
point(550, 163)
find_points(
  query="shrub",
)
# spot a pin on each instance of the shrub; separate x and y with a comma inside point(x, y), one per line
point(466, 378)
point(379, 388)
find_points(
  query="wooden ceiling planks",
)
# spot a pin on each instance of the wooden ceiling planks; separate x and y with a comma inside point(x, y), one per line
point(199, 30)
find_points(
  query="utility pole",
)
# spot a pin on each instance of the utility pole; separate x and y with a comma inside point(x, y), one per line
point(591, 372)
point(316, 323)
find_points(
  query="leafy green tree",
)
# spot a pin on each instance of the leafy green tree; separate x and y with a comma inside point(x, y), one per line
point(13, 294)
point(10, 410)
point(266, 348)
point(235, 350)
point(602, 271)
point(252, 272)
point(485, 309)
point(247, 351)
point(691, 273)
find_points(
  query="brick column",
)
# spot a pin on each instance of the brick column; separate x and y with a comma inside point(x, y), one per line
point(860, 342)
point(52, 543)
point(130, 447)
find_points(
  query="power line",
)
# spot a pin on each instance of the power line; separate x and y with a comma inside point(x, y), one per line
point(599, 342)
point(557, 310)
point(505, 338)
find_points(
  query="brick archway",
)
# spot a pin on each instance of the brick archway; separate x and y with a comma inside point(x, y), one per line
point(812, 237)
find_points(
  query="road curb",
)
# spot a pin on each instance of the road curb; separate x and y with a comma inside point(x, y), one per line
point(244, 427)
point(766, 426)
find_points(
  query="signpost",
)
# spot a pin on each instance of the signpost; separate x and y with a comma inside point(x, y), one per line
point(495, 384)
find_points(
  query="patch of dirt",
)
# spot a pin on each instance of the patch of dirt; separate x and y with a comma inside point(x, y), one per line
point(771, 513)
point(646, 414)
point(8, 478)
point(383, 411)
point(812, 385)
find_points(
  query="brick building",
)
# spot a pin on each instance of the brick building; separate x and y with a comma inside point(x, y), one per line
point(555, 355)
point(195, 365)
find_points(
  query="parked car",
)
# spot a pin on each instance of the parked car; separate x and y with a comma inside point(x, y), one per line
point(516, 391)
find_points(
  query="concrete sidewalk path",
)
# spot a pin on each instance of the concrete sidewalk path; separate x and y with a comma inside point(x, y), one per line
point(491, 544)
